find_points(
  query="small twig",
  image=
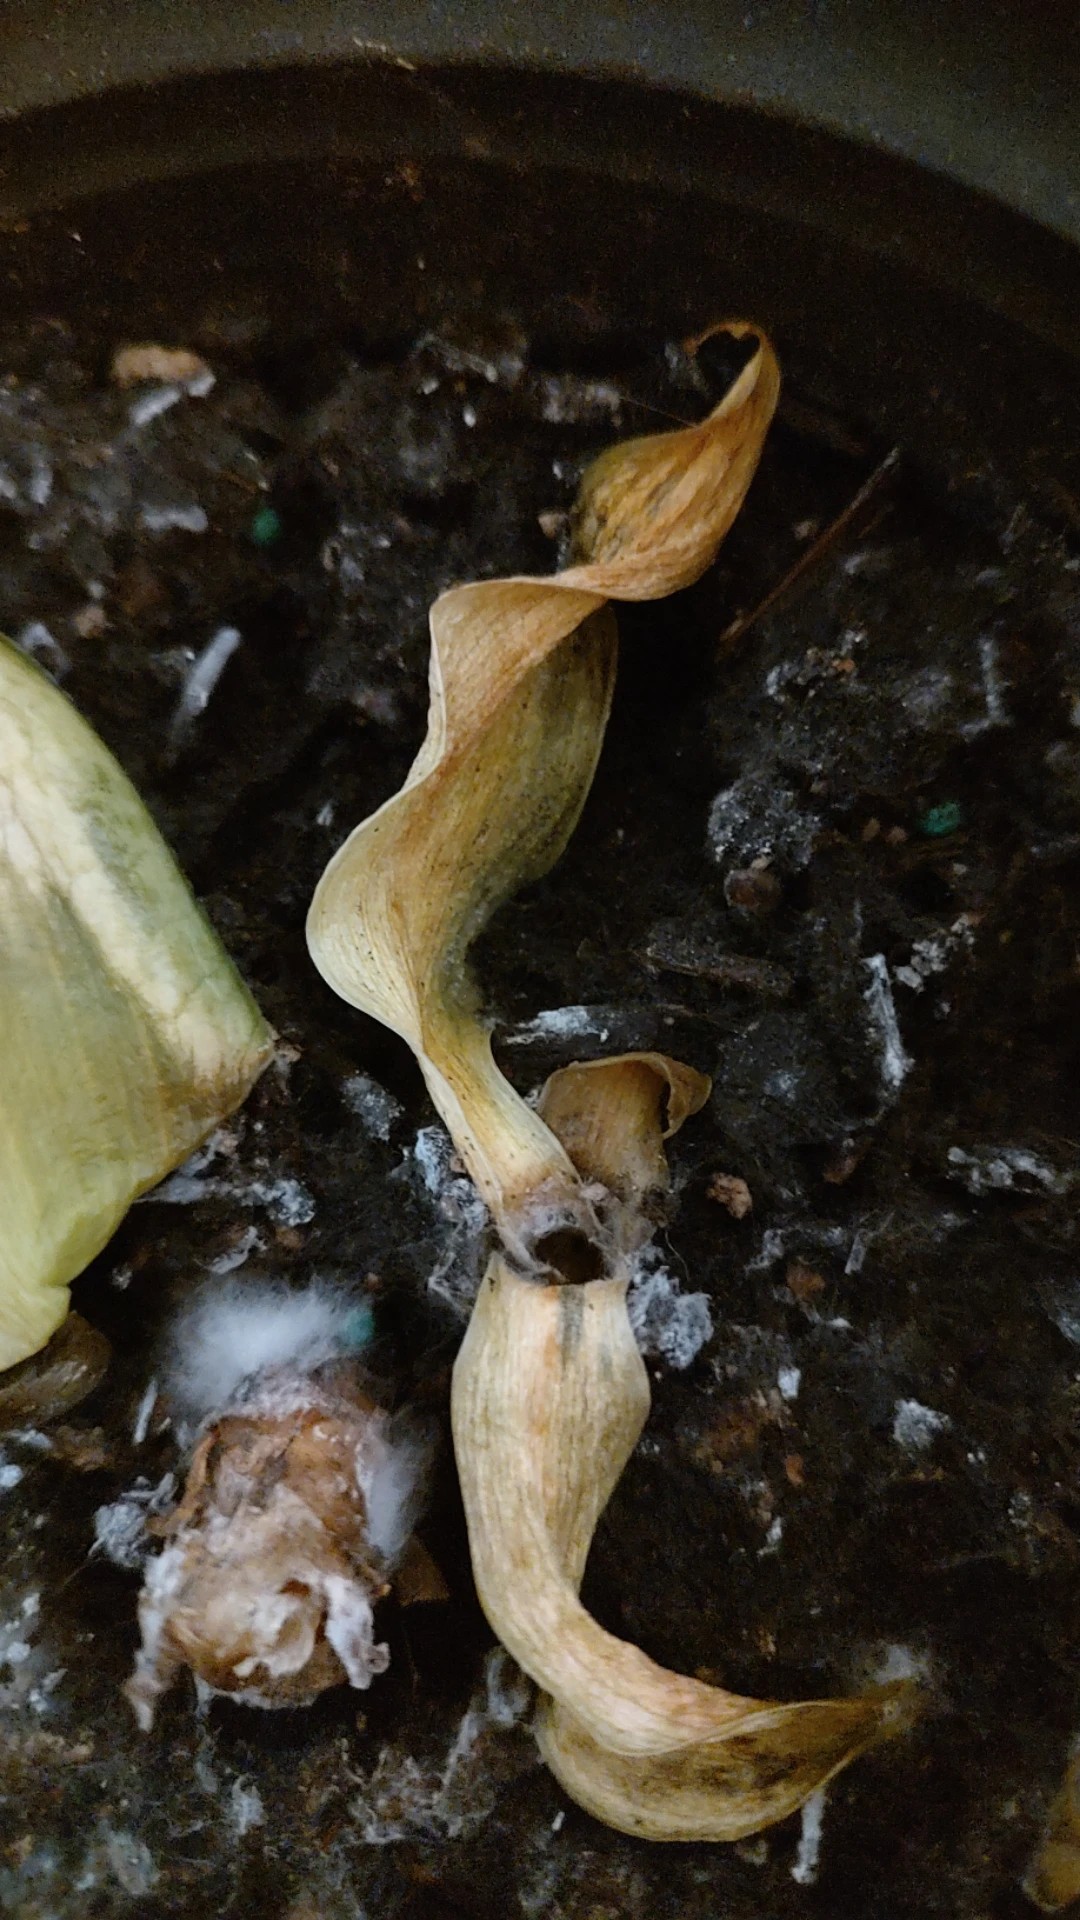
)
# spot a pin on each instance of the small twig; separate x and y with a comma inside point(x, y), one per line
point(818, 548)
point(662, 413)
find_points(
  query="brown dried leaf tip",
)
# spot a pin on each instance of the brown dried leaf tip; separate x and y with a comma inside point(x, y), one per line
point(297, 1510)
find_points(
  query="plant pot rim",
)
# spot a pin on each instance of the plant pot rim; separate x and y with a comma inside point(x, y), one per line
point(987, 99)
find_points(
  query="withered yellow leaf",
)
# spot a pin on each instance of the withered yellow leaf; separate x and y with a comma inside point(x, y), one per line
point(550, 1393)
point(550, 1396)
point(521, 680)
point(126, 1033)
point(614, 1115)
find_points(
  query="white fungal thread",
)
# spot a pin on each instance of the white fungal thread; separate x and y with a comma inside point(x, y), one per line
point(896, 1063)
point(1005, 1169)
point(393, 1478)
point(233, 1330)
point(668, 1324)
point(144, 1414)
point(120, 1526)
point(456, 1274)
point(160, 399)
point(933, 955)
point(771, 1250)
point(805, 1868)
point(204, 676)
point(375, 1109)
point(773, 1538)
point(285, 1198)
point(239, 1254)
point(915, 1427)
point(191, 519)
point(246, 1809)
point(150, 406)
point(402, 1800)
point(10, 1475)
point(559, 1023)
point(993, 690)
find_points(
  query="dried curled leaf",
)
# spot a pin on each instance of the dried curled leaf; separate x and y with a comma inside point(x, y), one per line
point(549, 1392)
point(521, 680)
point(550, 1396)
point(125, 1031)
point(613, 1117)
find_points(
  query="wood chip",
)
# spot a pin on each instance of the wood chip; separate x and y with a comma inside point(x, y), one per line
point(804, 1282)
point(176, 365)
point(731, 1192)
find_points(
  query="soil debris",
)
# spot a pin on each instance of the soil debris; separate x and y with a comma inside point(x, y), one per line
point(132, 365)
point(966, 1301)
point(731, 1192)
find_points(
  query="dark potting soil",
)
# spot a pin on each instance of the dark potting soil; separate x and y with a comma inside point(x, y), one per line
point(834, 862)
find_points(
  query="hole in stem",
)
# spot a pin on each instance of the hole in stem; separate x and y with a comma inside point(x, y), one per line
point(571, 1254)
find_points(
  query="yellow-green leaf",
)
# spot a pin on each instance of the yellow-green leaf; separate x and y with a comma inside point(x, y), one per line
point(126, 1033)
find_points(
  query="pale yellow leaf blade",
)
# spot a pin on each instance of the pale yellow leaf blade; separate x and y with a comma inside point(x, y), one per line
point(549, 1398)
point(521, 679)
point(125, 1032)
